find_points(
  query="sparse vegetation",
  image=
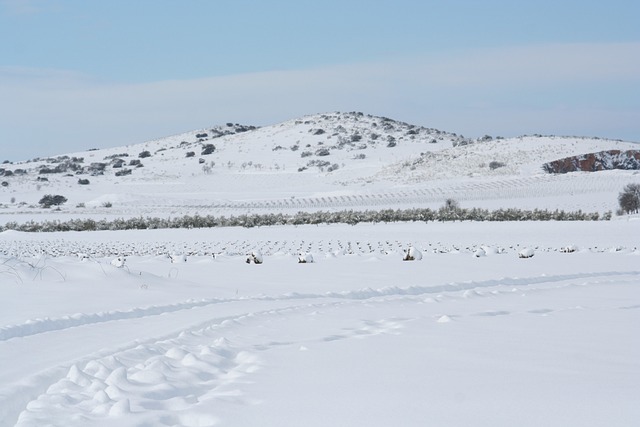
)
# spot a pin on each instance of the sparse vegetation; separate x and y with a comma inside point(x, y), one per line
point(117, 163)
point(52, 200)
point(96, 169)
point(208, 149)
point(115, 156)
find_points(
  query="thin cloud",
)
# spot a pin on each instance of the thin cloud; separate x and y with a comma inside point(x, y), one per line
point(506, 91)
point(22, 7)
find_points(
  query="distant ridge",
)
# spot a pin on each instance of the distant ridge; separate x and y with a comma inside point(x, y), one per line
point(327, 161)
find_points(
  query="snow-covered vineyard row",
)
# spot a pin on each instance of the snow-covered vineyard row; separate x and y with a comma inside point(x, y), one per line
point(321, 248)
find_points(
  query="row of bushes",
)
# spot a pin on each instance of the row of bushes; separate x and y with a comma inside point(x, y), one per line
point(305, 218)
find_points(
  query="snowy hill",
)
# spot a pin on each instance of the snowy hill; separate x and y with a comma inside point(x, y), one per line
point(323, 161)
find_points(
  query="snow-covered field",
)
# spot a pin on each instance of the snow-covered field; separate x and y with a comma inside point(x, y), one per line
point(186, 333)
point(176, 328)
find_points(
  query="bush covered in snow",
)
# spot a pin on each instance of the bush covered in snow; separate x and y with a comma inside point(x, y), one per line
point(254, 257)
point(569, 249)
point(208, 149)
point(495, 165)
point(412, 254)
point(119, 262)
point(526, 253)
point(305, 258)
point(177, 258)
point(52, 200)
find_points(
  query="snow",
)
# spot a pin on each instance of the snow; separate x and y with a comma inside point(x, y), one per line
point(180, 327)
point(249, 173)
point(355, 338)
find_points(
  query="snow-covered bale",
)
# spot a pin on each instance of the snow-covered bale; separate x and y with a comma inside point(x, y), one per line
point(526, 253)
point(305, 258)
point(412, 254)
point(119, 262)
point(254, 257)
point(479, 253)
point(492, 250)
point(177, 258)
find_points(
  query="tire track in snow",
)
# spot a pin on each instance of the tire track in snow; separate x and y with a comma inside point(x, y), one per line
point(180, 376)
point(38, 326)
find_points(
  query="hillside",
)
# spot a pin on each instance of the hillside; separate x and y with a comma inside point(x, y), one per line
point(324, 161)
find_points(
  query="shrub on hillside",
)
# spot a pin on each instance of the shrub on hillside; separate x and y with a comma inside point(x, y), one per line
point(96, 169)
point(144, 154)
point(52, 200)
point(118, 163)
point(208, 149)
point(115, 156)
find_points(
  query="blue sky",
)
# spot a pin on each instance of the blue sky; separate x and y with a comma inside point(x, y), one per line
point(78, 74)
